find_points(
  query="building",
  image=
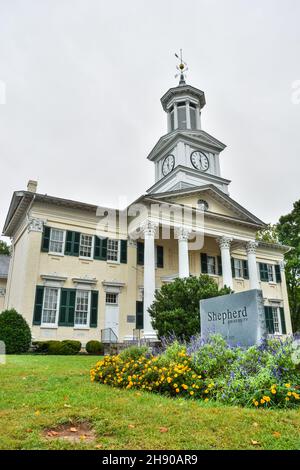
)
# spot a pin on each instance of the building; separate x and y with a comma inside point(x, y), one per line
point(4, 267)
point(84, 272)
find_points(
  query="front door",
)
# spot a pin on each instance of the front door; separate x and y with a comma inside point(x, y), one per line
point(112, 312)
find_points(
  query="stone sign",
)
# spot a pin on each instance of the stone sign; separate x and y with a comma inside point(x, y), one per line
point(239, 318)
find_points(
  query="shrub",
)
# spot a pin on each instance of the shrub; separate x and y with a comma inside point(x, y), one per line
point(63, 348)
point(133, 353)
point(14, 332)
point(40, 346)
point(175, 309)
point(94, 347)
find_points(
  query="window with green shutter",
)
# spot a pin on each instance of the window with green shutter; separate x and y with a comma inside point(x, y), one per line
point(277, 273)
point(46, 238)
point(269, 320)
point(123, 254)
point(232, 267)
point(159, 256)
point(94, 308)
point(72, 243)
point(140, 253)
point(203, 257)
point(282, 320)
point(264, 272)
point(139, 315)
point(220, 271)
point(245, 269)
point(67, 307)
point(100, 251)
point(38, 305)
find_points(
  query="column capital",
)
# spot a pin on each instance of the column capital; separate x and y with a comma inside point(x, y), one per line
point(182, 233)
point(225, 242)
point(148, 227)
point(251, 247)
point(35, 225)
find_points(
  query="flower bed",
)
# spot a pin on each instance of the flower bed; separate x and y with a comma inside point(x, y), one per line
point(260, 376)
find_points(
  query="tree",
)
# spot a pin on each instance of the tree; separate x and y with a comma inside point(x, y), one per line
point(4, 248)
point(268, 234)
point(14, 332)
point(288, 229)
point(175, 309)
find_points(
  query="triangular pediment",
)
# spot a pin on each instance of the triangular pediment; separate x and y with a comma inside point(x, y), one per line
point(219, 203)
point(197, 138)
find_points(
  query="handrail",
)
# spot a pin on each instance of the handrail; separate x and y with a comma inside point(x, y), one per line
point(108, 336)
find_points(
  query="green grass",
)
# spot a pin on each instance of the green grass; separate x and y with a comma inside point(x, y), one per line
point(124, 419)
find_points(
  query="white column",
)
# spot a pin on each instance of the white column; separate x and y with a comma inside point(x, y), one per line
point(169, 121)
point(188, 114)
point(175, 116)
point(149, 229)
point(198, 117)
point(183, 252)
point(252, 266)
point(224, 243)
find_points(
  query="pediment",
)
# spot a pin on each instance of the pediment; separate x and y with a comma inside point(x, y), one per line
point(219, 203)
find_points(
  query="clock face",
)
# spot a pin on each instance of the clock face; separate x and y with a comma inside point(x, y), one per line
point(168, 164)
point(199, 160)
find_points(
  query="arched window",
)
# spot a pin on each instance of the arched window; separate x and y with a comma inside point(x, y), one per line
point(202, 205)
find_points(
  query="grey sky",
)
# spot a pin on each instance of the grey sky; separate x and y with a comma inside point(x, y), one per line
point(83, 85)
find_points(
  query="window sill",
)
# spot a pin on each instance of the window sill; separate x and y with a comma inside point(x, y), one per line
point(85, 328)
point(113, 263)
point(48, 327)
point(51, 253)
point(272, 283)
point(84, 258)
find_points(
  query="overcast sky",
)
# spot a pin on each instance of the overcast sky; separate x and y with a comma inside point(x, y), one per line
point(83, 81)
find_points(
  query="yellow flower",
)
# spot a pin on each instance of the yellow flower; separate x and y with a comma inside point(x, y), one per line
point(262, 401)
point(175, 385)
point(287, 398)
point(266, 398)
point(169, 380)
point(184, 386)
point(206, 399)
point(192, 393)
point(206, 391)
point(177, 390)
point(288, 385)
point(211, 385)
point(256, 403)
point(289, 394)
point(273, 391)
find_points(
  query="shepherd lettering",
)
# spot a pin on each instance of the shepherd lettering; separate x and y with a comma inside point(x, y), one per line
point(228, 315)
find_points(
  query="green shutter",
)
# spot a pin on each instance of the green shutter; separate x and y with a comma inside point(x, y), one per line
point(123, 257)
point(220, 272)
point(245, 269)
point(46, 239)
point(67, 307)
point(263, 270)
point(269, 320)
point(277, 273)
point(139, 315)
point(38, 305)
point(282, 318)
point(140, 253)
point(72, 243)
point(203, 263)
point(232, 267)
point(97, 248)
point(100, 250)
point(94, 309)
point(160, 256)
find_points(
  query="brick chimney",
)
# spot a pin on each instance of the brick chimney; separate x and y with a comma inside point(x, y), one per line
point(32, 186)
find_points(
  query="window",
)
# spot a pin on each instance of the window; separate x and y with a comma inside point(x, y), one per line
point(172, 119)
point(267, 272)
point(181, 111)
point(112, 250)
point(211, 265)
point(111, 298)
point(86, 246)
point(270, 273)
point(57, 240)
point(82, 308)
point(238, 268)
point(276, 320)
point(193, 116)
point(50, 306)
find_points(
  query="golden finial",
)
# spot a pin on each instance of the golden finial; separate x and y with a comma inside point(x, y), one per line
point(182, 68)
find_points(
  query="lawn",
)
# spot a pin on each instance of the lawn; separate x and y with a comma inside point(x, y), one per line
point(43, 392)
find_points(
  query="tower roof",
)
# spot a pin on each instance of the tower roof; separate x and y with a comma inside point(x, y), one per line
point(183, 90)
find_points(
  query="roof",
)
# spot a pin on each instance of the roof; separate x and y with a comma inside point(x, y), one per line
point(183, 90)
point(4, 266)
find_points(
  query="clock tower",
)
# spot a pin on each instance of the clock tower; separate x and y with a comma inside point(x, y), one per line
point(187, 156)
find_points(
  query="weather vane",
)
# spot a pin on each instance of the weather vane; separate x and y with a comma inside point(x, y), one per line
point(182, 68)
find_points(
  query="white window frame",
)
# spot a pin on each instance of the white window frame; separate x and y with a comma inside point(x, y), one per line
point(92, 246)
point(119, 251)
point(112, 303)
point(80, 326)
point(63, 242)
point(277, 320)
point(215, 265)
point(240, 268)
point(55, 324)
